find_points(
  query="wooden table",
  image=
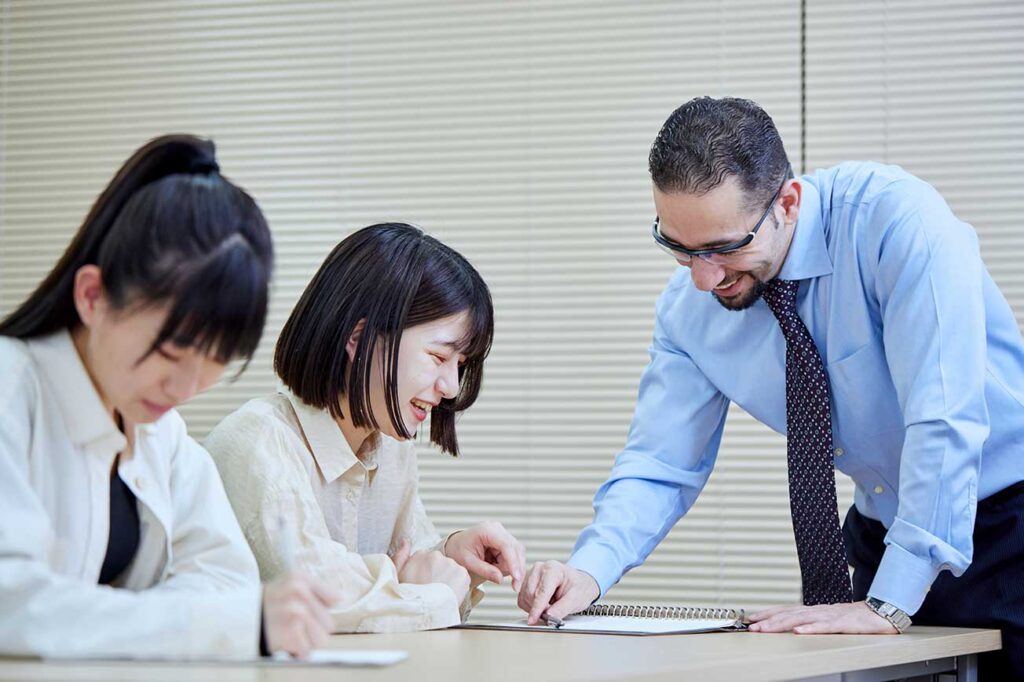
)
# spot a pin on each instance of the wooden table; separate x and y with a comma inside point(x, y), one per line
point(487, 656)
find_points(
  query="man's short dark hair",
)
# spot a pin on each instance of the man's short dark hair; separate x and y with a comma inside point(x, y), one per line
point(394, 277)
point(706, 140)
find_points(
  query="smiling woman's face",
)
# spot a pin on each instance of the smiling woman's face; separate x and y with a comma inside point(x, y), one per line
point(428, 372)
point(113, 345)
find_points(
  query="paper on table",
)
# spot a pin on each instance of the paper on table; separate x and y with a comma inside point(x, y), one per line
point(340, 657)
point(319, 657)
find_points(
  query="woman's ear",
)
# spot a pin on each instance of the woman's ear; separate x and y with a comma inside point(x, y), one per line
point(353, 340)
point(89, 295)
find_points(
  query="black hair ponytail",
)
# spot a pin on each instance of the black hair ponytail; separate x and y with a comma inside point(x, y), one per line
point(168, 229)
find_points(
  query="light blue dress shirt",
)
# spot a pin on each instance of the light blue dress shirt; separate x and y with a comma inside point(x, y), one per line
point(926, 366)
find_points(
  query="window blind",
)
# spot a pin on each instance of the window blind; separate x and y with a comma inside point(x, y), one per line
point(517, 132)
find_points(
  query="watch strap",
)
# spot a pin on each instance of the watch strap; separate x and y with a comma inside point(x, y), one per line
point(895, 615)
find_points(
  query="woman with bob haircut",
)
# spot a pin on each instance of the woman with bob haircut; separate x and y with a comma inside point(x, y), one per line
point(394, 327)
point(116, 538)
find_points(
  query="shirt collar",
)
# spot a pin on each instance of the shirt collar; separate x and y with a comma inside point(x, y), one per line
point(88, 423)
point(327, 441)
point(808, 255)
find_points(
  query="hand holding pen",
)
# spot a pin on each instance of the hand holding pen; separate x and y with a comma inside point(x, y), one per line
point(556, 590)
point(296, 616)
point(556, 623)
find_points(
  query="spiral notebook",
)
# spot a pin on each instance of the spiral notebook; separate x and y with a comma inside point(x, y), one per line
point(624, 619)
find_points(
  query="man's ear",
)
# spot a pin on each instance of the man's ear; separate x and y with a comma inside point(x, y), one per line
point(89, 295)
point(353, 340)
point(790, 198)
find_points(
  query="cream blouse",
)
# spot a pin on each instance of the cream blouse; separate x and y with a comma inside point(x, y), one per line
point(283, 461)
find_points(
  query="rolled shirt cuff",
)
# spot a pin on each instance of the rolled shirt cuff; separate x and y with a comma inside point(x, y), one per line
point(903, 579)
point(414, 607)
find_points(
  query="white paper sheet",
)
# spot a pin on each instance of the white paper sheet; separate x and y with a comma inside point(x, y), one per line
point(353, 658)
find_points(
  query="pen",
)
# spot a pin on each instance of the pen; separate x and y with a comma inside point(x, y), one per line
point(286, 548)
point(552, 621)
point(285, 544)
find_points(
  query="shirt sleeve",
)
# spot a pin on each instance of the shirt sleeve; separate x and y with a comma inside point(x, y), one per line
point(266, 482)
point(197, 614)
point(414, 524)
point(671, 448)
point(929, 282)
point(209, 554)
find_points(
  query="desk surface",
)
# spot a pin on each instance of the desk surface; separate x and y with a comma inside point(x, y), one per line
point(455, 655)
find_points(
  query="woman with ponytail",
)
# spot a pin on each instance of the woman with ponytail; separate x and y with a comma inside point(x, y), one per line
point(116, 538)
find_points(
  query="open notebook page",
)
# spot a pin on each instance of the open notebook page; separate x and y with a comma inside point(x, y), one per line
point(619, 625)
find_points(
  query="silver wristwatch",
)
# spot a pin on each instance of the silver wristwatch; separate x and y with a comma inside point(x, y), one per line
point(898, 617)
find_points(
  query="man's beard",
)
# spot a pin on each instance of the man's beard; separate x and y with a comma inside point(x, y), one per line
point(744, 300)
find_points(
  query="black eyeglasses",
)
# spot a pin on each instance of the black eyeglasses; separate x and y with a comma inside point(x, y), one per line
point(681, 253)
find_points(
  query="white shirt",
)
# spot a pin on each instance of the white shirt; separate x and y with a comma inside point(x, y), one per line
point(282, 460)
point(192, 589)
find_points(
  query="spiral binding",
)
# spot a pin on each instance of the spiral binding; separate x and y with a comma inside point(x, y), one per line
point(677, 612)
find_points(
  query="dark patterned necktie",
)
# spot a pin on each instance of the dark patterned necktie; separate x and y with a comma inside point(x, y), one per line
point(812, 478)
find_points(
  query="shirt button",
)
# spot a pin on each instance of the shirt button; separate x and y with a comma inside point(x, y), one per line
point(879, 490)
point(839, 452)
point(138, 482)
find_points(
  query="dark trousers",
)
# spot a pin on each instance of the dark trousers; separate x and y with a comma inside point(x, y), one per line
point(990, 593)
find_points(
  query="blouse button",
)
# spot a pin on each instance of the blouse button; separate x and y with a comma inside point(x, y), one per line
point(879, 490)
point(138, 482)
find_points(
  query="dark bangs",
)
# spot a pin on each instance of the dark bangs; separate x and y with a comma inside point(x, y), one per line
point(219, 307)
point(215, 281)
point(451, 285)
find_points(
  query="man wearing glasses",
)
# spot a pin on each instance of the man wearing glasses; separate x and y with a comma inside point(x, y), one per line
point(850, 310)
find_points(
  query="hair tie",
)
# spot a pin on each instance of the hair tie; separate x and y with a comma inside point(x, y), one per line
point(203, 166)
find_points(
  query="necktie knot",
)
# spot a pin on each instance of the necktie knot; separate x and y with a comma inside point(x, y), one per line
point(780, 295)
